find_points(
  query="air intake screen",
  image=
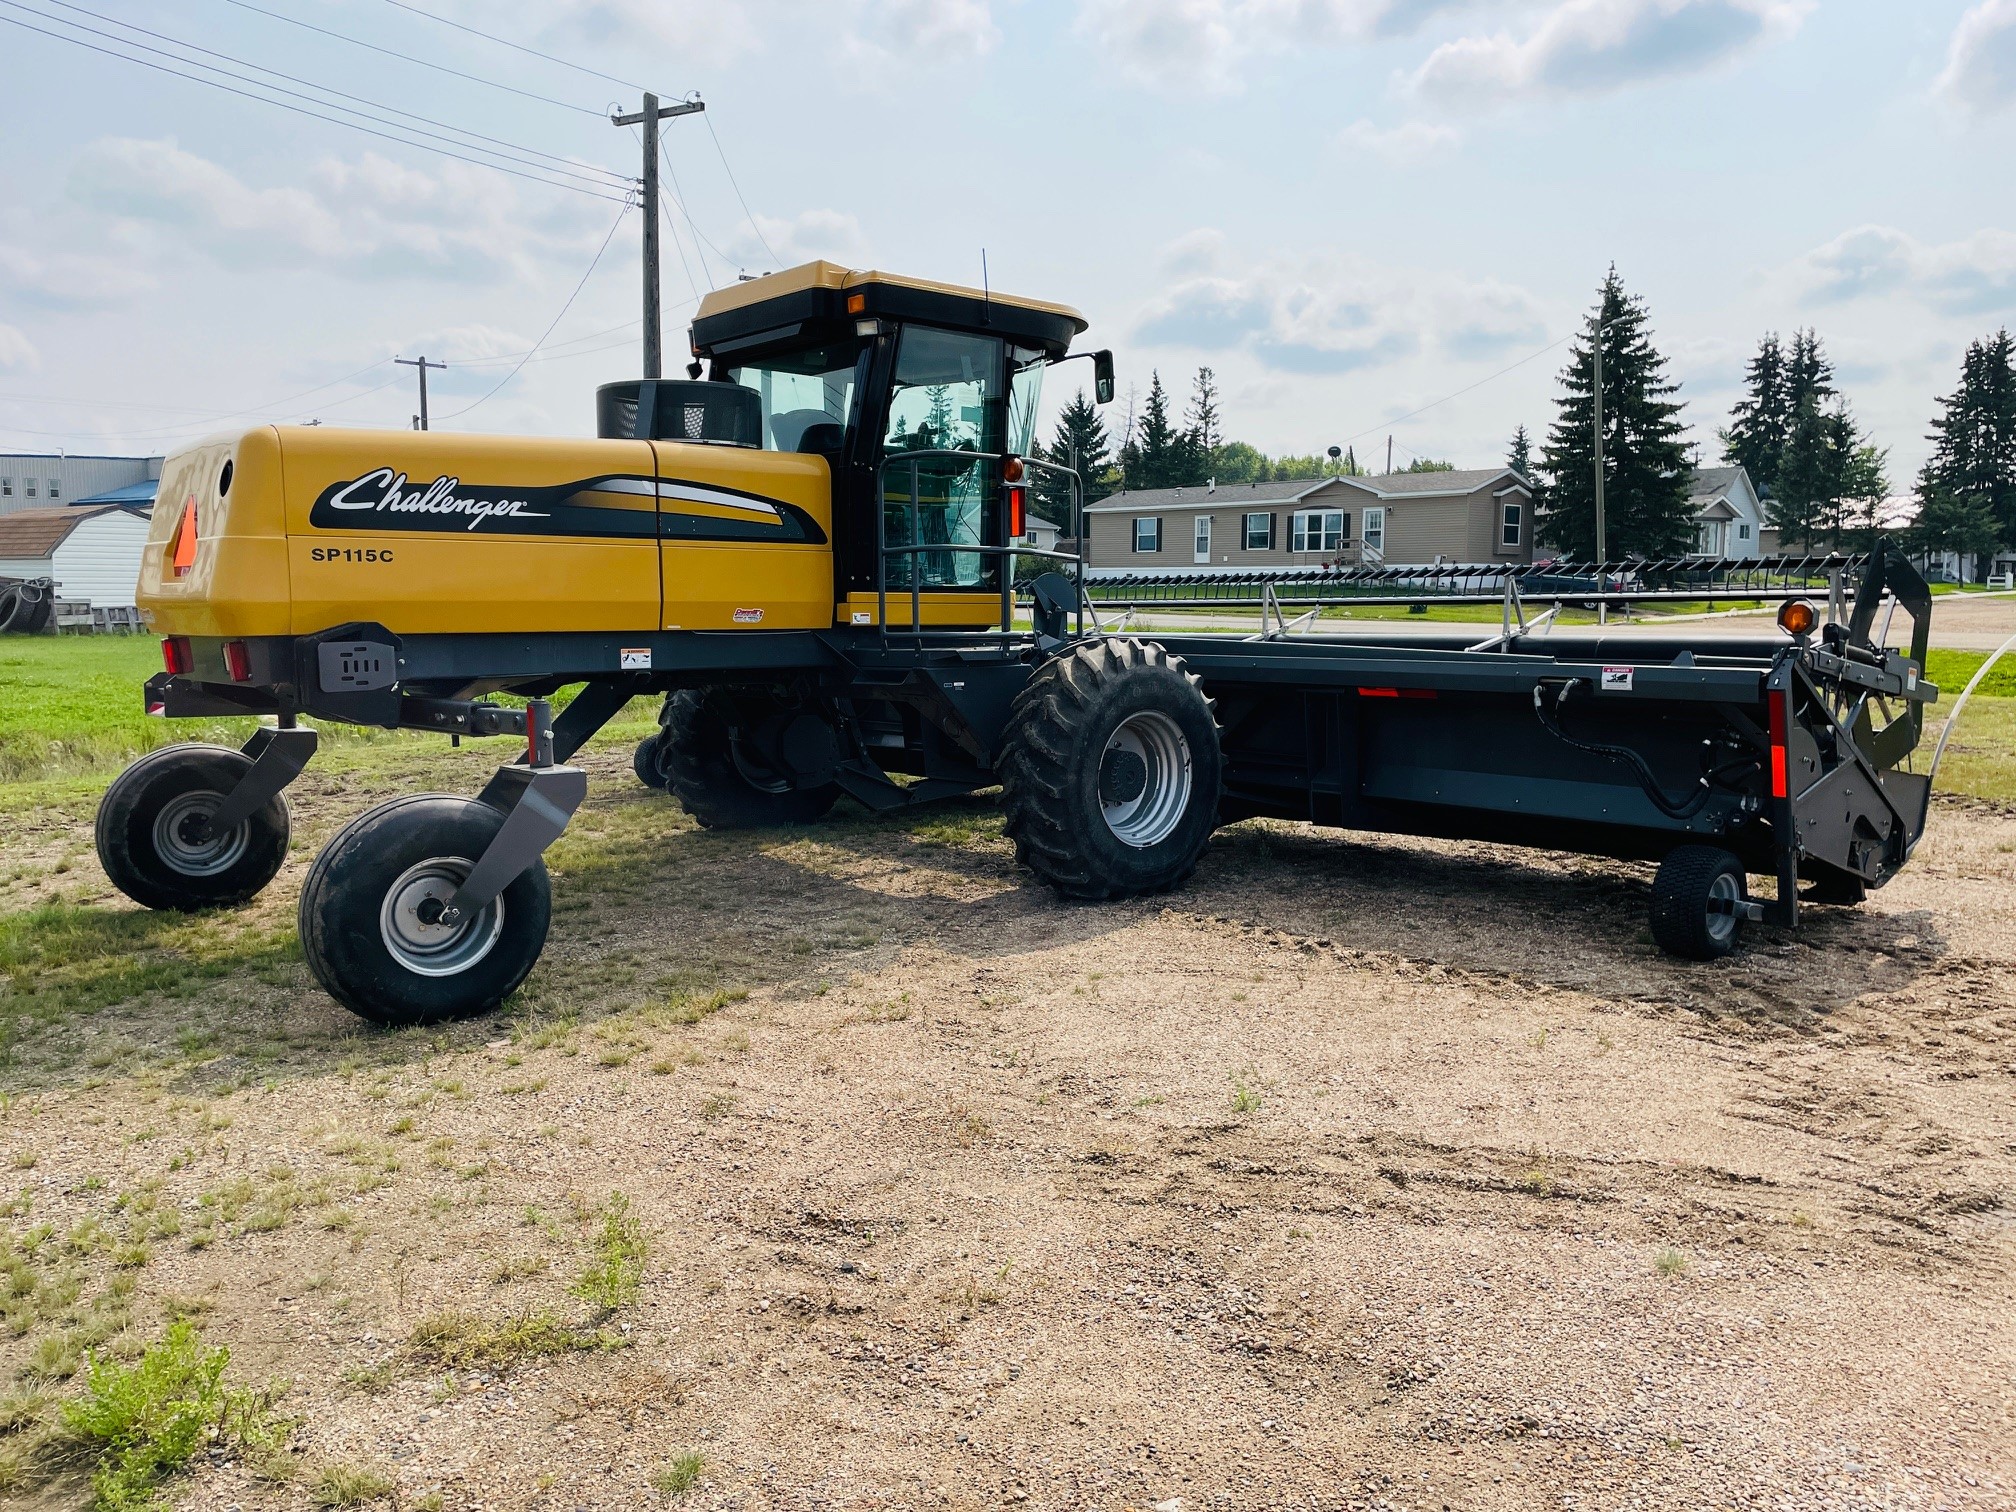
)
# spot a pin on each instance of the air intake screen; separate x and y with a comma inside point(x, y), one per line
point(684, 410)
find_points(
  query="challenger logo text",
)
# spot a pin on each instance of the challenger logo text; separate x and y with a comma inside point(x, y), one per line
point(385, 491)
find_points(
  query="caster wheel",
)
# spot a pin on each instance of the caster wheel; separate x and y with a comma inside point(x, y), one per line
point(371, 923)
point(153, 836)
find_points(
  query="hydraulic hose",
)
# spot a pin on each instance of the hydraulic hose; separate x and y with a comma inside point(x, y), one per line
point(1960, 703)
point(1551, 722)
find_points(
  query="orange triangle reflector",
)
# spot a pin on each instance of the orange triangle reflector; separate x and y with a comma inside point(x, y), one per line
point(185, 538)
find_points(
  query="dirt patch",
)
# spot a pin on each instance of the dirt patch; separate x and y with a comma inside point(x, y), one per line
point(1362, 1172)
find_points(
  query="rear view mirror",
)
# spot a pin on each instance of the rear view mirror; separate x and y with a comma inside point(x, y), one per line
point(1102, 376)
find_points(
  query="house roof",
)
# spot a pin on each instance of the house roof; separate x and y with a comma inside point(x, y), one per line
point(1712, 482)
point(38, 532)
point(133, 493)
point(1294, 490)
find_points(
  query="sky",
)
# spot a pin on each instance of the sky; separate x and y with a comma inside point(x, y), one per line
point(1371, 218)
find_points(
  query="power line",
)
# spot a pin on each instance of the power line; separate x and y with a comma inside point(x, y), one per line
point(754, 225)
point(534, 52)
point(679, 198)
point(567, 167)
point(554, 323)
point(391, 52)
point(1411, 414)
point(298, 110)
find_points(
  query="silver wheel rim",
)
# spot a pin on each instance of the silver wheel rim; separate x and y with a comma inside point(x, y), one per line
point(177, 844)
point(1152, 815)
point(1724, 893)
point(433, 949)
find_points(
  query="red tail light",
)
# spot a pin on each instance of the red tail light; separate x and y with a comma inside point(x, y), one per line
point(238, 661)
point(1781, 784)
point(176, 656)
point(1018, 512)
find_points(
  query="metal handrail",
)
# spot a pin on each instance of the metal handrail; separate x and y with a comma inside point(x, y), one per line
point(1005, 553)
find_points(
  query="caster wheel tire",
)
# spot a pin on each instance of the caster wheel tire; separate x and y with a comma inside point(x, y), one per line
point(1694, 897)
point(644, 762)
point(370, 914)
point(152, 839)
point(1110, 772)
point(714, 777)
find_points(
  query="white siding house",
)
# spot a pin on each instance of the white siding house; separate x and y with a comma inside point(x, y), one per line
point(1728, 515)
point(93, 554)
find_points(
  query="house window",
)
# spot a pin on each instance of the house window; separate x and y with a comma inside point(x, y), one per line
point(1148, 534)
point(55, 489)
point(1317, 530)
point(1201, 539)
point(31, 486)
point(1743, 531)
point(1259, 532)
point(1374, 538)
point(1508, 533)
point(6, 488)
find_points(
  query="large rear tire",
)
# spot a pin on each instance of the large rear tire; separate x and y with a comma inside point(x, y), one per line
point(1110, 771)
point(716, 776)
point(1694, 903)
point(370, 914)
point(152, 841)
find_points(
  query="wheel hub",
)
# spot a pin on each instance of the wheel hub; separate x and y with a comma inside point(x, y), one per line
point(185, 842)
point(1724, 894)
point(1145, 779)
point(416, 931)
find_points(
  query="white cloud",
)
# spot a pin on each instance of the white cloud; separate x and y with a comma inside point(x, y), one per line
point(1974, 276)
point(1206, 44)
point(1592, 46)
point(1981, 62)
point(1408, 142)
point(74, 281)
point(1330, 315)
point(369, 217)
point(832, 234)
point(17, 352)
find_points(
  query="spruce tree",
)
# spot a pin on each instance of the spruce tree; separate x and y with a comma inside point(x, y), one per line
point(1520, 459)
point(1808, 373)
point(1156, 461)
point(1761, 420)
point(1645, 463)
point(1080, 442)
point(1973, 466)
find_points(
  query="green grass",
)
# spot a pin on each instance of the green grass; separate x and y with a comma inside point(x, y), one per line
point(1980, 761)
point(146, 1419)
point(680, 1475)
point(70, 706)
point(463, 1340)
point(1949, 670)
point(611, 1280)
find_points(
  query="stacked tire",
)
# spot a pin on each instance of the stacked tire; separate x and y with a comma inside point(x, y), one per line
point(26, 608)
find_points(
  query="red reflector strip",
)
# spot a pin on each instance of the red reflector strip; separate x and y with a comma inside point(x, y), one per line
point(175, 657)
point(1781, 784)
point(238, 661)
point(1018, 512)
point(1396, 692)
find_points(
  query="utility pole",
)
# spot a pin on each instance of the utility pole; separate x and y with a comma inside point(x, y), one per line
point(421, 364)
point(1596, 392)
point(648, 118)
point(1389, 456)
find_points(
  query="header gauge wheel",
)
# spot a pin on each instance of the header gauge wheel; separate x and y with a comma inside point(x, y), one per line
point(1696, 903)
point(1111, 771)
point(371, 924)
point(154, 839)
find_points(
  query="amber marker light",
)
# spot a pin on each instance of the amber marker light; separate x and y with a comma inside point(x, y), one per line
point(1796, 617)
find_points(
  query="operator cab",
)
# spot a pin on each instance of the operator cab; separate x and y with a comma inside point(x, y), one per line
point(914, 393)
